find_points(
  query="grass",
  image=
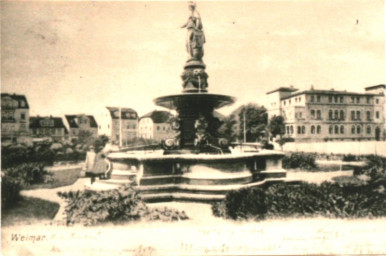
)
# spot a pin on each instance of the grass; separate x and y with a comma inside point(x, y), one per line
point(29, 210)
point(58, 179)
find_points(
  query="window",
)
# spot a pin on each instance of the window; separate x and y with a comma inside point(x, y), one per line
point(336, 129)
point(318, 114)
point(336, 114)
point(318, 98)
point(358, 99)
point(330, 114)
point(341, 99)
point(352, 99)
point(341, 115)
point(289, 102)
point(368, 115)
point(358, 129)
point(377, 114)
point(303, 129)
point(299, 130)
point(368, 100)
point(358, 115)
point(22, 116)
point(353, 129)
point(330, 129)
point(352, 115)
point(312, 129)
point(377, 101)
point(287, 129)
point(318, 129)
point(368, 130)
point(292, 129)
point(336, 99)
point(312, 114)
point(312, 98)
point(342, 129)
point(330, 99)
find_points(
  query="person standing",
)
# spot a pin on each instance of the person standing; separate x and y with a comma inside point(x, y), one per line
point(101, 165)
point(89, 162)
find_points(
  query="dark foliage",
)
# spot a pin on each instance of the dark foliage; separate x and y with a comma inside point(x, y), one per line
point(300, 160)
point(119, 205)
point(10, 191)
point(276, 126)
point(17, 177)
point(328, 199)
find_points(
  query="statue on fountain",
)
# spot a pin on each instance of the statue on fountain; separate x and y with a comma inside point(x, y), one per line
point(195, 38)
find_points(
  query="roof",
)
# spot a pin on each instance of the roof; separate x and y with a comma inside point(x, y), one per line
point(19, 98)
point(35, 122)
point(283, 89)
point(71, 119)
point(126, 113)
point(327, 92)
point(375, 87)
point(158, 116)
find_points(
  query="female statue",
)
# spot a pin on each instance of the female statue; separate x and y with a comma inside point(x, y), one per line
point(195, 37)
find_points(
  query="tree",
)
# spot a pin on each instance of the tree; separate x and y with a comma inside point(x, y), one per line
point(276, 126)
point(255, 123)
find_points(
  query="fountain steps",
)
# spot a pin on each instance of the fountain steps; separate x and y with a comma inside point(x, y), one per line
point(184, 192)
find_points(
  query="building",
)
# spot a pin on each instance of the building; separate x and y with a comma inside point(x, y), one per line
point(119, 123)
point(81, 123)
point(155, 125)
point(48, 127)
point(328, 114)
point(14, 119)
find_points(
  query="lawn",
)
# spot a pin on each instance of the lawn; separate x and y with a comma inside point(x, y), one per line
point(58, 179)
point(29, 210)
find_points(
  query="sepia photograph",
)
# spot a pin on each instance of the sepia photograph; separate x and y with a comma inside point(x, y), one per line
point(152, 128)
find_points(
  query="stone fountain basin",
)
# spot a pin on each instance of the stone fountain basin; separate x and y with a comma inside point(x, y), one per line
point(198, 169)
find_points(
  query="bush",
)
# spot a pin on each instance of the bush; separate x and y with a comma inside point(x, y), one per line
point(123, 204)
point(349, 158)
point(28, 174)
point(328, 199)
point(300, 160)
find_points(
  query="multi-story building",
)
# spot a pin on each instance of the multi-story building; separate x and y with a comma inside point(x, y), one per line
point(81, 122)
point(329, 114)
point(118, 124)
point(14, 119)
point(155, 125)
point(48, 127)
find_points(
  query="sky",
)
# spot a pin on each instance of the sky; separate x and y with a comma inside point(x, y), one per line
point(79, 57)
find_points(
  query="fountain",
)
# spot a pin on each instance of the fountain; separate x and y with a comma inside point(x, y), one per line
point(198, 163)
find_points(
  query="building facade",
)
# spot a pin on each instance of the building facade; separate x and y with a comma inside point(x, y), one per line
point(79, 123)
point(325, 115)
point(155, 125)
point(118, 124)
point(48, 127)
point(14, 119)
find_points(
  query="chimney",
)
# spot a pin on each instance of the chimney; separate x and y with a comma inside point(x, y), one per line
point(312, 87)
point(332, 89)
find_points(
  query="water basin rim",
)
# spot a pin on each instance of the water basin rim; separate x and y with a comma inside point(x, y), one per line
point(193, 157)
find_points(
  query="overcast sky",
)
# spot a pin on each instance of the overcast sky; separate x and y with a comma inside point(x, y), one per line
point(78, 57)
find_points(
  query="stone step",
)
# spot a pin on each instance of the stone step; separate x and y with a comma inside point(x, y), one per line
point(181, 197)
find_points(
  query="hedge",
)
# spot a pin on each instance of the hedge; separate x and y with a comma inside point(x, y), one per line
point(300, 160)
point(283, 200)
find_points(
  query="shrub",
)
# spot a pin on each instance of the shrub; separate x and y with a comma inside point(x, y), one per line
point(123, 204)
point(299, 160)
point(349, 158)
point(29, 173)
point(327, 199)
